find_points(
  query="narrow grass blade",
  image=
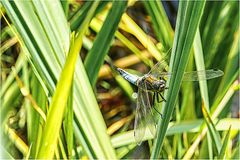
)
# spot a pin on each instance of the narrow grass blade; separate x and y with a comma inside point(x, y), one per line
point(130, 26)
point(121, 152)
point(78, 17)
point(57, 107)
point(59, 41)
point(213, 131)
point(16, 140)
point(68, 124)
point(189, 15)
point(65, 5)
point(96, 55)
point(188, 106)
point(34, 120)
point(225, 144)
point(199, 60)
point(161, 24)
point(236, 152)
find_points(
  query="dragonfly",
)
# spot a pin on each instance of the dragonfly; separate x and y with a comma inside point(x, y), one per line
point(151, 87)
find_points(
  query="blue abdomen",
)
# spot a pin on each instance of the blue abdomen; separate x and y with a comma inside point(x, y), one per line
point(128, 76)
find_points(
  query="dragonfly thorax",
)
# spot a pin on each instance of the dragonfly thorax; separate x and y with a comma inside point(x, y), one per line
point(153, 84)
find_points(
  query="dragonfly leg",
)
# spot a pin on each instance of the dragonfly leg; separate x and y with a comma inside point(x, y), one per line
point(158, 112)
point(154, 95)
point(158, 100)
point(163, 99)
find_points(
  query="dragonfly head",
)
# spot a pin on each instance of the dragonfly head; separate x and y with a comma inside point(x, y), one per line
point(159, 85)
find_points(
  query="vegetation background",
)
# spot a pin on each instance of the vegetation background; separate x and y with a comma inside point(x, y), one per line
point(59, 99)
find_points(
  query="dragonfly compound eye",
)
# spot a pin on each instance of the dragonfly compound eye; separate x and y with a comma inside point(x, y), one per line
point(161, 85)
point(162, 81)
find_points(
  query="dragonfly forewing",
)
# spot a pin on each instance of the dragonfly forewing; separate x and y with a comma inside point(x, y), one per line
point(144, 117)
point(146, 96)
point(196, 75)
point(139, 123)
point(160, 67)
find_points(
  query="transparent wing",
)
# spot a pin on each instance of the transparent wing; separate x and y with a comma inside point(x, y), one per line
point(139, 123)
point(146, 96)
point(158, 68)
point(195, 75)
point(202, 75)
point(161, 65)
point(143, 117)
